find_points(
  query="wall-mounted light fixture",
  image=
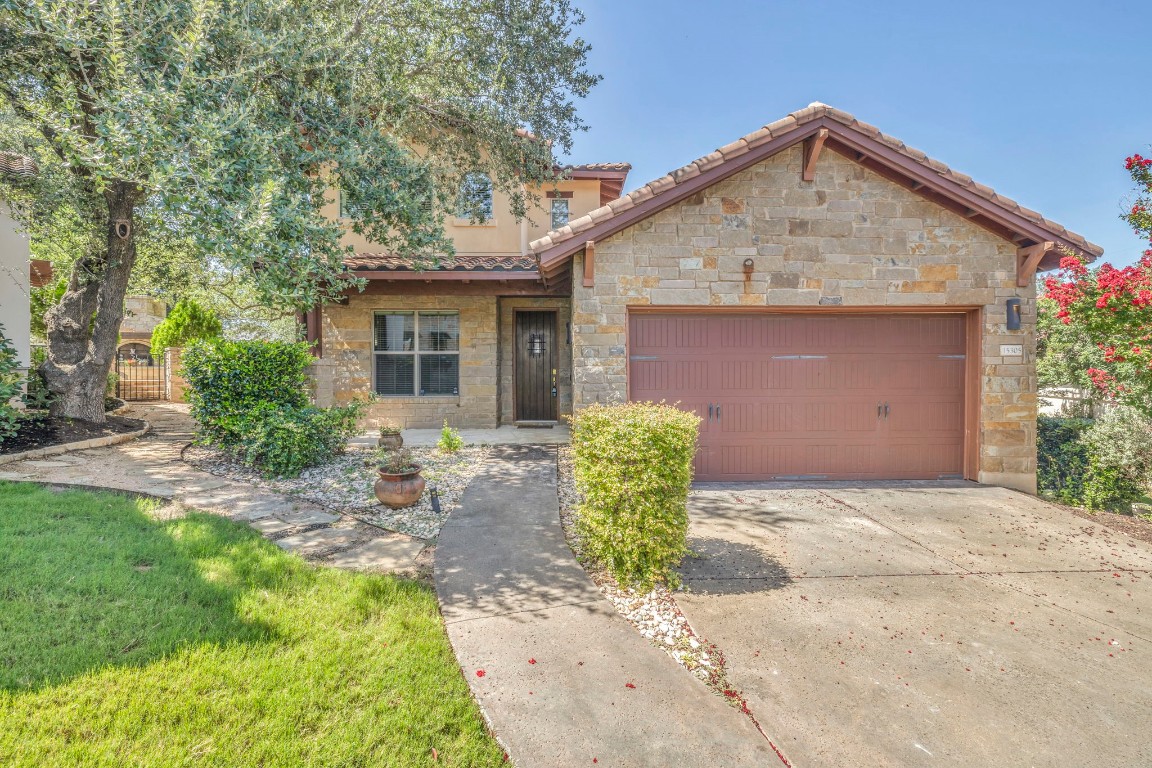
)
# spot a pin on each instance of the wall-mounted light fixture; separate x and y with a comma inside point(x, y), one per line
point(536, 344)
point(1014, 314)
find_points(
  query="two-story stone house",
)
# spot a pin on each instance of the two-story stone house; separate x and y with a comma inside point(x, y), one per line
point(832, 303)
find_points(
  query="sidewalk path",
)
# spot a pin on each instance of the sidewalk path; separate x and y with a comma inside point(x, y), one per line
point(557, 660)
point(152, 465)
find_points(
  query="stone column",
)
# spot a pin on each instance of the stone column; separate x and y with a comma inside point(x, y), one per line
point(174, 383)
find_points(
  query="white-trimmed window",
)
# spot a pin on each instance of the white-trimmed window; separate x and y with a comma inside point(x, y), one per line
point(559, 212)
point(416, 354)
point(475, 200)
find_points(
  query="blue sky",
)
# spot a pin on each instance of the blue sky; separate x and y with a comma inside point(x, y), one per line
point(1041, 101)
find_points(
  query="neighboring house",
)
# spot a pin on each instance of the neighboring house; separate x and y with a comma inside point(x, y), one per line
point(832, 303)
point(141, 316)
point(18, 272)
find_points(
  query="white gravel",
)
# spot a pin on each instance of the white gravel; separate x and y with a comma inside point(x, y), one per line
point(654, 614)
point(345, 484)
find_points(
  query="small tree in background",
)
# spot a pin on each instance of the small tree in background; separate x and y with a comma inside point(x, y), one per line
point(187, 322)
point(1112, 308)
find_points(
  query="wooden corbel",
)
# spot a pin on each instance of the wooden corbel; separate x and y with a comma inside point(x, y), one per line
point(589, 264)
point(812, 147)
point(1028, 260)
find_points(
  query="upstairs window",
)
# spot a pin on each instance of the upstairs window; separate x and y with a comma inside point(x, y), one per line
point(559, 213)
point(416, 354)
point(475, 200)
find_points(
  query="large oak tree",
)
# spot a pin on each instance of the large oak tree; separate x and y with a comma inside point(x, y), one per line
point(222, 125)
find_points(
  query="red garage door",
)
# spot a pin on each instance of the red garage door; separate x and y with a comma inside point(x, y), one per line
point(810, 396)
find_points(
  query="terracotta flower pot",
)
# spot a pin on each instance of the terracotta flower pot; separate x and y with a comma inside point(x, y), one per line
point(397, 490)
point(390, 442)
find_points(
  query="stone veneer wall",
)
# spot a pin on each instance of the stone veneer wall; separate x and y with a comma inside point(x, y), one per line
point(508, 306)
point(849, 238)
point(345, 371)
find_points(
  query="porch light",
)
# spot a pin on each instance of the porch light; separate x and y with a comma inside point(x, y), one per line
point(536, 344)
point(1013, 306)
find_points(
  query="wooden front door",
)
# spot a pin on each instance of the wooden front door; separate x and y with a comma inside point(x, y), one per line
point(837, 397)
point(535, 372)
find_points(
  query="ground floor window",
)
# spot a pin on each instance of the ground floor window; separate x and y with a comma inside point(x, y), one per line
point(416, 353)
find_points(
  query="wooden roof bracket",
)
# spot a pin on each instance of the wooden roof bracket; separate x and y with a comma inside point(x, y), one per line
point(812, 146)
point(1028, 260)
point(590, 264)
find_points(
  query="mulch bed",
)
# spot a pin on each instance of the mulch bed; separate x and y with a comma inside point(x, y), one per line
point(1136, 527)
point(44, 432)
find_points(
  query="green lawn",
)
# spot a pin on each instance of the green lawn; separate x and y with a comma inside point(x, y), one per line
point(131, 641)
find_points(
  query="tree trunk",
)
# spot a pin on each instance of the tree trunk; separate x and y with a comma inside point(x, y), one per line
point(84, 327)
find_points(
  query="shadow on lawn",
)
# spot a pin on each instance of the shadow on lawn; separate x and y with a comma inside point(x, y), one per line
point(94, 580)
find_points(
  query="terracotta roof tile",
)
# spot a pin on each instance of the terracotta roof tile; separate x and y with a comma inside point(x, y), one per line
point(599, 167)
point(482, 262)
point(13, 165)
point(776, 129)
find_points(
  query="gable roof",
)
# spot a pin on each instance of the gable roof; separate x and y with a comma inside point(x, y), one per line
point(612, 177)
point(859, 141)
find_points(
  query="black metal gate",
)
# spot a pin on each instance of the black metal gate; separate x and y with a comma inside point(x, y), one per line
point(139, 376)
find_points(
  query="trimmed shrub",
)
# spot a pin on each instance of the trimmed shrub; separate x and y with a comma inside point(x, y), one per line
point(1061, 459)
point(1105, 464)
point(633, 466)
point(187, 322)
point(284, 440)
point(11, 380)
point(227, 379)
point(450, 440)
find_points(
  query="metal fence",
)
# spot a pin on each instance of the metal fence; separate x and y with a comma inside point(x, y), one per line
point(139, 376)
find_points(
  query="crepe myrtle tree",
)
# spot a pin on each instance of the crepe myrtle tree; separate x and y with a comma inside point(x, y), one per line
point(228, 124)
point(1113, 307)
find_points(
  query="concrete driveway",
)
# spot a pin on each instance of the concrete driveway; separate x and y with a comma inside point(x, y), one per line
point(924, 624)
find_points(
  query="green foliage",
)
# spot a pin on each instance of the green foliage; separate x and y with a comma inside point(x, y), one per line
point(633, 467)
point(283, 440)
point(227, 379)
point(450, 440)
point(250, 398)
point(11, 380)
point(1064, 352)
point(398, 462)
point(1105, 464)
point(187, 322)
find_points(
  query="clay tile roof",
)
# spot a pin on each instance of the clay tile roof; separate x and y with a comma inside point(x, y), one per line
point(647, 195)
point(600, 167)
point(12, 164)
point(482, 262)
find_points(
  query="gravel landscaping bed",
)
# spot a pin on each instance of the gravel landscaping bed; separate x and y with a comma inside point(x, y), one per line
point(345, 484)
point(654, 614)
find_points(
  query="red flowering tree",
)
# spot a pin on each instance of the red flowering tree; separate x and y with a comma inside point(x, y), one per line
point(1113, 307)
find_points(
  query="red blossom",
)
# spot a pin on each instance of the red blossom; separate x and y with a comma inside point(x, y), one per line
point(480, 673)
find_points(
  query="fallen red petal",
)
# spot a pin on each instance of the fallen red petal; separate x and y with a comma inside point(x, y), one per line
point(479, 673)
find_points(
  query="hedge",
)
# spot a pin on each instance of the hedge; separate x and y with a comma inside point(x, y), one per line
point(633, 466)
point(285, 440)
point(1102, 464)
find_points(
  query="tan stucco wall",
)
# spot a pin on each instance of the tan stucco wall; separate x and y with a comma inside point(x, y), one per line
point(14, 285)
point(345, 371)
point(850, 238)
point(508, 307)
point(503, 234)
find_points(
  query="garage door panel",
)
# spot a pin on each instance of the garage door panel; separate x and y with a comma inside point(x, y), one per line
point(799, 394)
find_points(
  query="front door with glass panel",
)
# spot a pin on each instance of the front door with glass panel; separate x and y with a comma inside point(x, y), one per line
point(535, 366)
point(417, 354)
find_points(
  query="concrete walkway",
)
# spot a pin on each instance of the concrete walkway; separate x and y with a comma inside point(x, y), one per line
point(152, 465)
point(558, 663)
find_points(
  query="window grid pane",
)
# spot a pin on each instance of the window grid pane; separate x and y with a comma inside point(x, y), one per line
point(395, 332)
point(439, 374)
point(395, 375)
point(439, 332)
point(559, 213)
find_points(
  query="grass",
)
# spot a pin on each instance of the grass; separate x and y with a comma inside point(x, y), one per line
point(129, 640)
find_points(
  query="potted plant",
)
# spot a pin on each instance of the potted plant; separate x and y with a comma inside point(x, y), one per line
point(390, 437)
point(400, 483)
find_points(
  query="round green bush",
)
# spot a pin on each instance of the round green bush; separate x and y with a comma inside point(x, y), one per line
point(187, 322)
point(633, 466)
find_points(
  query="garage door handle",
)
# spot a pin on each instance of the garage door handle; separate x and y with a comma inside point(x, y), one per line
point(709, 411)
point(879, 410)
point(717, 412)
point(885, 410)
